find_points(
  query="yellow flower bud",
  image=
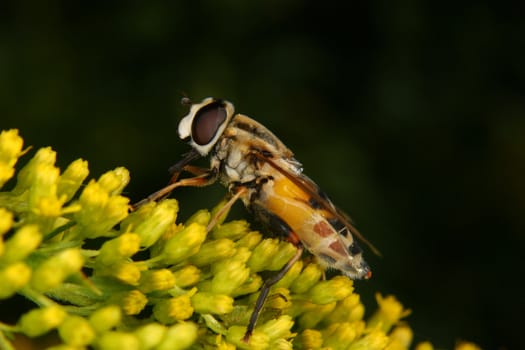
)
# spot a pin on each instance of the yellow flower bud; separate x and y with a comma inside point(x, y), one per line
point(251, 285)
point(403, 336)
point(132, 302)
point(72, 178)
point(228, 275)
point(339, 335)
point(209, 303)
point(13, 277)
point(156, 280)
point(10, 150)
point(263, 254)
point(184, 244)
point(150, 335)
point(105, 318)
point(214, 250)
point(117, 340)
point(121, 247)
point(257, 341)
point(424, 346)
point(25, 179)
point(168, 311)
point(126, 272)
point(291, 275)
point(389, 313)
point(315, 314)
point(21, 244)
point(375, 340)
point(201, 217)
point(187, 276)
point(332, 290)
point(463, 345)
point(76, 331)
point(309, 339)
point(311, 274)
point(278, 328)
point(39, 321)
point(115, 180)
point(233, 230)
point(347, 310)
point(285, 251)
point(6, 221)
point(54, 270)
point(159, 219)
point(249, 240)
point(179, 336)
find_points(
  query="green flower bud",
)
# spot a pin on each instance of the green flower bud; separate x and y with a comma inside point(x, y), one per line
point(278, 328)
point(10, 150)
point(209, 303)
point(233, 230)
point(201, 217)
point(13, 277)
point(26, 176)
point(168, 311)
point(100, 211)
point(281, 344)
point(105, 318)
point(228, 275)
point(56, 269)
point(291, 275)
point(132, 302)
point(114, 181)
point(332, 290)
point(184, 244)
point(122, 247)
point(258, 340)
point(389, 313)
point(311, 274)
point(279, 299)
point(214, 250)
point(187, 276)
point(150, 335)
point(285, 252)
point(309, 339)
point(117, 341)
point(156, 280)
point(250, 240)
point(339, 335)
point(21, 244)
point(76, 330)
point(72, 178)
point(263, 254)
point(6, 221)
point(179, 336)
point(375, 340)
point(159, 219)
point(251, 285)
point(40, 321)
point(348, 310)
point(315, 314)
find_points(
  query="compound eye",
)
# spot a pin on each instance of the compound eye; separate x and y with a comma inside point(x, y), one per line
point(207, 122)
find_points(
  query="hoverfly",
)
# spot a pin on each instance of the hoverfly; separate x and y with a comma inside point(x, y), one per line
point(257, 168)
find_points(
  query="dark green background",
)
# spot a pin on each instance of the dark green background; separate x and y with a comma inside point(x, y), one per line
point(410, 115)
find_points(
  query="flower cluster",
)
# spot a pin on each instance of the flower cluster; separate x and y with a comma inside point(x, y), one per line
point(104, 276)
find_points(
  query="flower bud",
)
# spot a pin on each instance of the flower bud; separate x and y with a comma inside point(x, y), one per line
point(424, 346)
point(332, 290)
point(315, 314)
point(217, 209)
point(132, 302)
point(76, 331)
point(187, 276)
point(13, 277)
point(6, 221)
point(156, 280)
point(25, 240)
point(349, 309)
point(121, 247)
point(114, 340)
point(10, 150)
point(114, 181)
point(250, 286)
point(43, 200)
point(249, 240)
point(201, 217)
point(285, 251)
point(375, 340)
point(39, 321)
point(311, 274)
point(291, 275)
point(233, 230)
point(214, 250)
point(184, 244)
point(228, 275)
point(157, 222)
point(209, 303)
point(26, 176)
point(179, 336)
point(126, 272)
point(464, 345)
point(168, 311)
point(278, 328)
point(72, 178)
point(310, 339)
point(339, 335)
point(389, 313)
point(150, 335)
point(56, 269)
point(105, 318)
point(401, 337)
point(257, 341)
point(263, 254)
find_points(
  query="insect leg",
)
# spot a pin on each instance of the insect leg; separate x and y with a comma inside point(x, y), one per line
point(266, 289)
point(204, 179)
point(226, 207)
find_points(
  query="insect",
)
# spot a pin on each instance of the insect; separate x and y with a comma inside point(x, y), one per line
point(257, 168)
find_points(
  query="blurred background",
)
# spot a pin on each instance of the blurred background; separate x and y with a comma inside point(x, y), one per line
point(410, 116)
